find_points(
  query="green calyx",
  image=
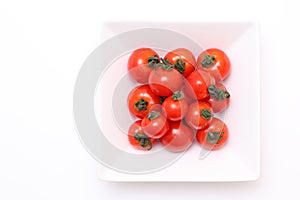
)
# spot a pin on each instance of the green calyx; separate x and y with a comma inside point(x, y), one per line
point(166, 64)
point(206, 114)
point(153, 115)
point(208, 61)
point(178, 95)
point(180, 66)
point(153, 61)
point(141, 105)
point(218, 93)
point(214, 137)
point(143, 140)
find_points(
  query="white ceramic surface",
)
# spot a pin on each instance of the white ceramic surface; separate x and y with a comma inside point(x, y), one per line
point(239, 160)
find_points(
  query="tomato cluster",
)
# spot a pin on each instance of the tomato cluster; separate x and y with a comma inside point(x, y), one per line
point(177, 98)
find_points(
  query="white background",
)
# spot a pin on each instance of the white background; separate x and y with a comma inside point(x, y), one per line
point(42, 47)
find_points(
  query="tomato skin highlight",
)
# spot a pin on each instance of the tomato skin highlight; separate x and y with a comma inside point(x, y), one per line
point(140, 100)
point(196, 84)
point(219, 97)
point(155, 124)
point(186, 62)
point(215, 136)
point(175, 108)
point(164, 82)
point(199, 115)
point(138, 64)
point(178, 138)
point(216, 62)
point(134, 129)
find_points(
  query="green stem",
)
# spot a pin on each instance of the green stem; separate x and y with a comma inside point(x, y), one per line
point(141, 105)
point(180, 66)
point(206, 114)
point(153, 115)
point(208, 61)
point(217, 93)
point(143, 140)
point(152, 61)
point(178, 95)
point(166, 64)
point(214, 137)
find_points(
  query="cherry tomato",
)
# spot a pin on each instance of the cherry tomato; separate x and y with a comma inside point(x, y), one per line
point(140, 99)
point(216, 62)
point(183, 60)
point(188, 99)
point(199, 115)
point(197, 83)
point(155, 124)
point(141, 63)
point(219, 97)
point(215, 136)
point(165, 80)
point(178, 138)
point(138, 138)
point(176, 106)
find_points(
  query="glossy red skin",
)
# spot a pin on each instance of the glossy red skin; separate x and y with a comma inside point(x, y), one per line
point(175, 109)
point(137, 128)
point(188, 99)
point(197, 83)
point(178, 138)
point(138, 64)
point(186, 56)
point(145, 93)
point(194, 118)
point(155, 128)
point(216, 125)
point(221, 105)
point(164, 82)
point(220, 70)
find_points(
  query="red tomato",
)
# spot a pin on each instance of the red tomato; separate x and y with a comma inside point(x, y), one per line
point(216, 62)
point(141, 63)
point(165, 80)
point(175, 106)
point(188, 99)
point(140, 99)
point(138, 138)
point(215, 136)
point(219, 97)
point(155, 124)
point(199, 115)
point(178, 138)
point(183, 60)
point(197, 83)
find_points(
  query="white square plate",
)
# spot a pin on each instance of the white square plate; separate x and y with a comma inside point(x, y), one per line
point(239, 160)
